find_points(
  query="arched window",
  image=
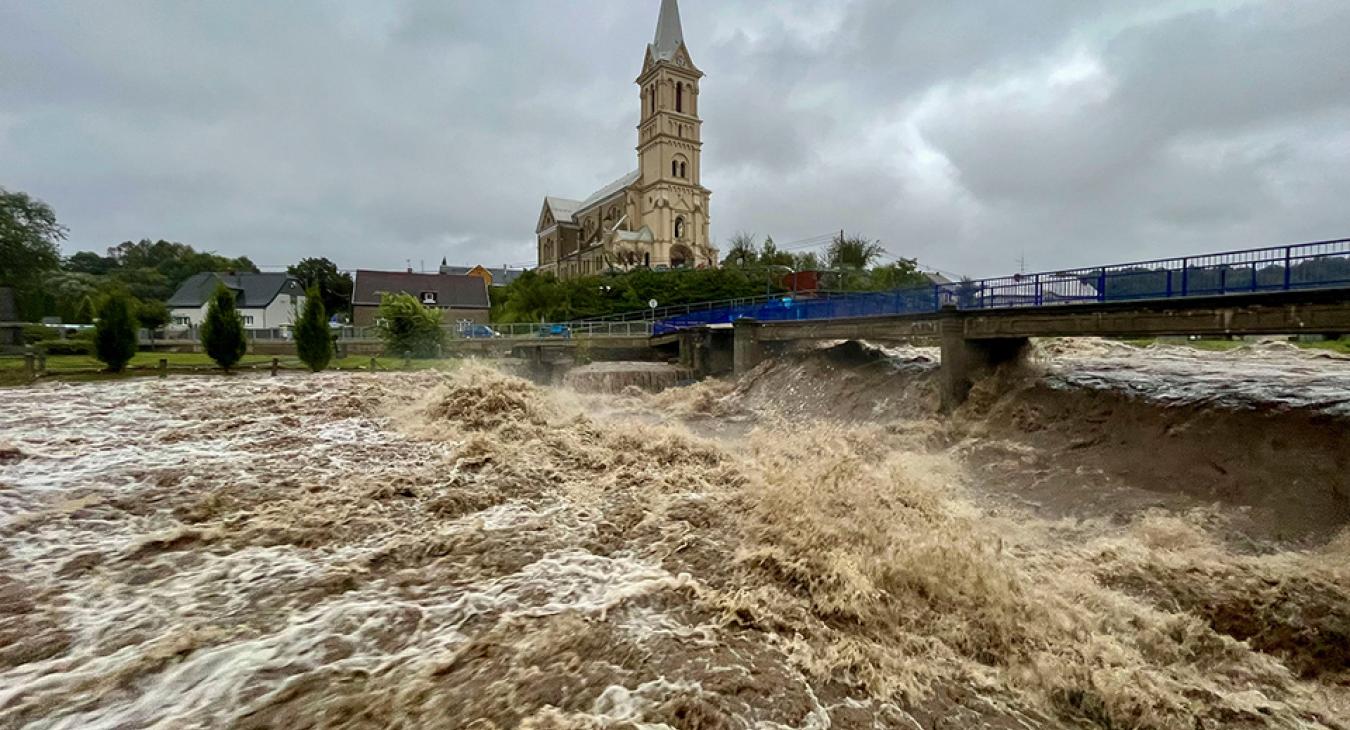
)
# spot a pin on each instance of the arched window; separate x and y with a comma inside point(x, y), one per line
point(653, 95)
point(679, 97)
point(683, 175)
point(679, 228)
point(674, 168)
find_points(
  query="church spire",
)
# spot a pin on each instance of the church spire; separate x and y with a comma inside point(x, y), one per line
point(669, 34)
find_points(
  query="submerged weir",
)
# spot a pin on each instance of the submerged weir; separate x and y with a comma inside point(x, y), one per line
point(1123, 538)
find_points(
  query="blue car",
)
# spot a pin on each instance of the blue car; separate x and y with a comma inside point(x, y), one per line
point(478, 332)
point(556, 330)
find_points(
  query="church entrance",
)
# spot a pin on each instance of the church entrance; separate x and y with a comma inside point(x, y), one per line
point(681, 257)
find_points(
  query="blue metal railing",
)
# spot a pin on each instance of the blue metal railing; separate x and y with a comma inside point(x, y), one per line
point(1319, 265)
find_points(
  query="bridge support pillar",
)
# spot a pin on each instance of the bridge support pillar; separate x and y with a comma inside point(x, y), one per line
point(965, 360)
point(708, 351)
point(748, 350)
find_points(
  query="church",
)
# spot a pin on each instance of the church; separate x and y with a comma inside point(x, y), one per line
point(657, 215)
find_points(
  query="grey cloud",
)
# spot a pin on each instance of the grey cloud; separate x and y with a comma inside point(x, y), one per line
point(965, 134)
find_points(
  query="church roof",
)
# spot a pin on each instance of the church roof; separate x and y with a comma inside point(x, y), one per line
point(563, 208)
point(669, 34)
point(609, 190)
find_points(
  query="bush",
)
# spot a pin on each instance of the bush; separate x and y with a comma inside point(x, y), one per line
point(313, 340)
point(115, 333)
point(35, 333)
point(223, 330)
point(408, 327)
point(153, 315)
point(67, 347)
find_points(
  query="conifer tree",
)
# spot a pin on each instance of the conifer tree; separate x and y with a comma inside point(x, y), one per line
point(115, 333)
point(313, 341)
point(223, 330)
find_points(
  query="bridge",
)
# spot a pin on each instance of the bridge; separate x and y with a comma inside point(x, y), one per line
point(1303, 288)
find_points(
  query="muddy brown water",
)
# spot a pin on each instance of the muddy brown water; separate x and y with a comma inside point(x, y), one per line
point(811, 547)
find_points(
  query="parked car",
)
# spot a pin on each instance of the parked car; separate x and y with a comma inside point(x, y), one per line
point(556, 330)
point(478, 332)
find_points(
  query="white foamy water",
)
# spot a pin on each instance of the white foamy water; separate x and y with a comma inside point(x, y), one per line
point(1265, 375)
point(134, 616)
point(410, 550)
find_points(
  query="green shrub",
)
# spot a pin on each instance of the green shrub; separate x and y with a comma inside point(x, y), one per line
point(67, 347)
point(313, 340)
point(35, 333)
point(222, 331)
point(153, 314)
point(408, 327)
point(115, 333)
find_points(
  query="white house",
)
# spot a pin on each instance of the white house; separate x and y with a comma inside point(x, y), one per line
point(265, 301)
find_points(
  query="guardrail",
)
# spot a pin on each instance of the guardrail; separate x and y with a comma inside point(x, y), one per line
point(452, 332)
point(1318, 265)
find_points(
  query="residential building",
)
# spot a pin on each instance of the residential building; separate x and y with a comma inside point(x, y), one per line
point(494, 276)
point(264, 301)
point(657, 215)
point(461, 297)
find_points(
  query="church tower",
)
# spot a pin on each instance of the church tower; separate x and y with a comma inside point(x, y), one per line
point(672, 203)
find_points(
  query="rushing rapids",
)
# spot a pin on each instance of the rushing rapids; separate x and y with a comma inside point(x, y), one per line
point(811, 547)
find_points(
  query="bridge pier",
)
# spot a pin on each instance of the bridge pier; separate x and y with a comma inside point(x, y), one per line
point(708, 351)
point(966, 360)
point(748, 350)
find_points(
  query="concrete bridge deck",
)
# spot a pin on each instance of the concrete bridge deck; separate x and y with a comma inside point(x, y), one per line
point(975, 341)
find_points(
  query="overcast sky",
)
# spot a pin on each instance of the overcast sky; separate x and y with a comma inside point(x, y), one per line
point(967, 134)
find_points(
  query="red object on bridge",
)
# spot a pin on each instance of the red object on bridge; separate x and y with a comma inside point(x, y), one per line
point(801, 282)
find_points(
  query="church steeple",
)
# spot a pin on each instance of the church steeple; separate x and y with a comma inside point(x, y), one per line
point(669, 34)
point(674, 203)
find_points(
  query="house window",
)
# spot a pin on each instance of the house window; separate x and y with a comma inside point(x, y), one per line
point(428, 297)
point(248, 320)
point(182, 320)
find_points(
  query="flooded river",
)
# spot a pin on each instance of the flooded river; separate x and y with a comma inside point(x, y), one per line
point(812, 547)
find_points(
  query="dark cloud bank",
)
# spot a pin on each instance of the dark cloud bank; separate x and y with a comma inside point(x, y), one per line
point(966, 134)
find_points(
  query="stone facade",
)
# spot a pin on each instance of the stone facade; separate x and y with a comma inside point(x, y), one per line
point(657, 215)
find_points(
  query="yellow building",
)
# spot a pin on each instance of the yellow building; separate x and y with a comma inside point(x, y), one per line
point(657, 215)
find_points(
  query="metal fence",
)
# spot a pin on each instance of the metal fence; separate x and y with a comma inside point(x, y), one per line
point(1319, 265)
point(458, 331)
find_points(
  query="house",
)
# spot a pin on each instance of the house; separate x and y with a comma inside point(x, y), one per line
point(461, 297)
point(493, 276)
point(265, 301)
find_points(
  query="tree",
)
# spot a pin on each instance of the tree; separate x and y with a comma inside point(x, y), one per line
point(771, 256)
point(408, 327)
point(88, 262)
point(742, 250)
point(29, 245)
point(152, 315)
point(853, 253)
point(115, 333)
point(223, 330)
point(313, 339)
point(335, 286)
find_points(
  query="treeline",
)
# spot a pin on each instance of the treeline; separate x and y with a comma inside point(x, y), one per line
point(849, 263)
point(749, 269)
point(535, 297)
point(146, 272)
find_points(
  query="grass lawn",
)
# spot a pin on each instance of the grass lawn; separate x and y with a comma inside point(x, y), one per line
point(83, 367)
